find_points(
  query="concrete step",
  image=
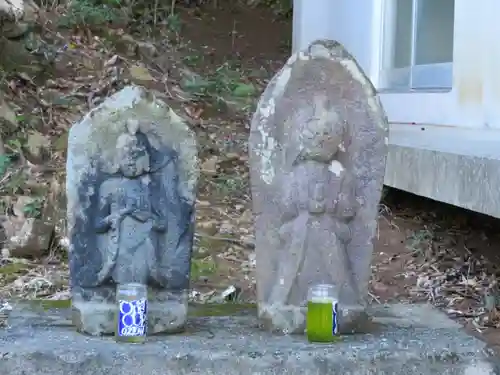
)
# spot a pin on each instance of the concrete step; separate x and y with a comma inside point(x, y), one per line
point(405, 340)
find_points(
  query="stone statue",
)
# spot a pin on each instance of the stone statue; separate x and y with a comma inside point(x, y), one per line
point(314, 197)
point(130, 186)
point(318, 148)
point(132, 214)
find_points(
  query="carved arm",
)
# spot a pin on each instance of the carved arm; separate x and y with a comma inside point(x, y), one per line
point(103, 221)
point(347, 205)
point(316, 203)
point(140, 215)
point(105, 218)
point(159, 222)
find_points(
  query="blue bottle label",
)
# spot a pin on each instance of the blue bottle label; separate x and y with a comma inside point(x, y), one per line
point(335, 325)
point(132, 317)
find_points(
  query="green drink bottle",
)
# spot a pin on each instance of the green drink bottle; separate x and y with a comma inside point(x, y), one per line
point(322, 313)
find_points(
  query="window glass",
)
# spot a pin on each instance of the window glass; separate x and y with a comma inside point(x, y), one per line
point(418, 47)
point(434, 31)
point(402, 30)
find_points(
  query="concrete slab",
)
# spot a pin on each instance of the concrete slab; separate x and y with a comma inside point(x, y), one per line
point(405, 339)
point(455, 166)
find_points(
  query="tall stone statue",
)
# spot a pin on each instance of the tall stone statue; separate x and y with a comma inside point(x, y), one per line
point(318, 148)
point(131, 183)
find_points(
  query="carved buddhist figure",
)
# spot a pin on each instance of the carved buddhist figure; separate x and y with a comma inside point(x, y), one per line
point(317, 204)
point(131, 220)
point(318, 195)
point(318, 147)
point(128, 223)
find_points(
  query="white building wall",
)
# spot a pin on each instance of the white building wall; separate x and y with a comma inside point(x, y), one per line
point(332, 19)
point(474, 99)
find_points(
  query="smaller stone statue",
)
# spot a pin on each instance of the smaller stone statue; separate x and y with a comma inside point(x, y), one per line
point(130, 187)
point(128, 222)
point(318, 147)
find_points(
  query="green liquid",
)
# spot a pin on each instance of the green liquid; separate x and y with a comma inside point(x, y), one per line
point(320, 322)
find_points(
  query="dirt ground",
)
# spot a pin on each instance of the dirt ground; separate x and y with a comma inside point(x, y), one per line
point(424, 251)
point(432, 252)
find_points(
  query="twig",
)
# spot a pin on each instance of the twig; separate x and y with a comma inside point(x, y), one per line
point(155, 12)
point(375, 298)
point(2, 147)
point(230, 240)
point(233, 35)
point(5, 177)
point(172, 8)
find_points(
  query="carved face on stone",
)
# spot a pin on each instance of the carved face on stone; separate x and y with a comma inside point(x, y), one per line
point(133, 158)
point(322, 147)
point(320, 136)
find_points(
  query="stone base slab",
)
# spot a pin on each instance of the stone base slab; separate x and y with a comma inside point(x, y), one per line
point(98, 318)
point(404, 339)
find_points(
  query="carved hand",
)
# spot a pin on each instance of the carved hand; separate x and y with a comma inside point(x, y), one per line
point(317, 202)
point(125, 211)
point(114, 219)
point(159, 226)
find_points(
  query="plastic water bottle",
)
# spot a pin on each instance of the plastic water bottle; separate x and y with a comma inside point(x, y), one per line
point(132, 313)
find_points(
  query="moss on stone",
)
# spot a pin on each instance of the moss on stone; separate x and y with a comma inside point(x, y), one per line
point(221, 309)
point(195, 309)
point(12, 268)
point(49, 304)
point(10, 272)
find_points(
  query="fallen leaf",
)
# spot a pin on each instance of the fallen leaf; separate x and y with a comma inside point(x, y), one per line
point(209, 166)
point(61, 143)
point(203, 203)
point(244, 90)
point(111, 61)
point(193, 112)
point(36, 143)
point(140, 73)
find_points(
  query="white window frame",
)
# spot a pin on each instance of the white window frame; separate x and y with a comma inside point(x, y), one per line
point(427, 77)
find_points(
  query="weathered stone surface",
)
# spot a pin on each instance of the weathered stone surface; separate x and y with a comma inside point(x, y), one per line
point(318, 147)
point(15, 58)
point(36, 222)
point(27, 236)
point(16, 17)
point(409, 340)
point(132, 172)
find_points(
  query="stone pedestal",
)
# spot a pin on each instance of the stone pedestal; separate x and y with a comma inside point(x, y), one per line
point(97, 318)
point(403, 339)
